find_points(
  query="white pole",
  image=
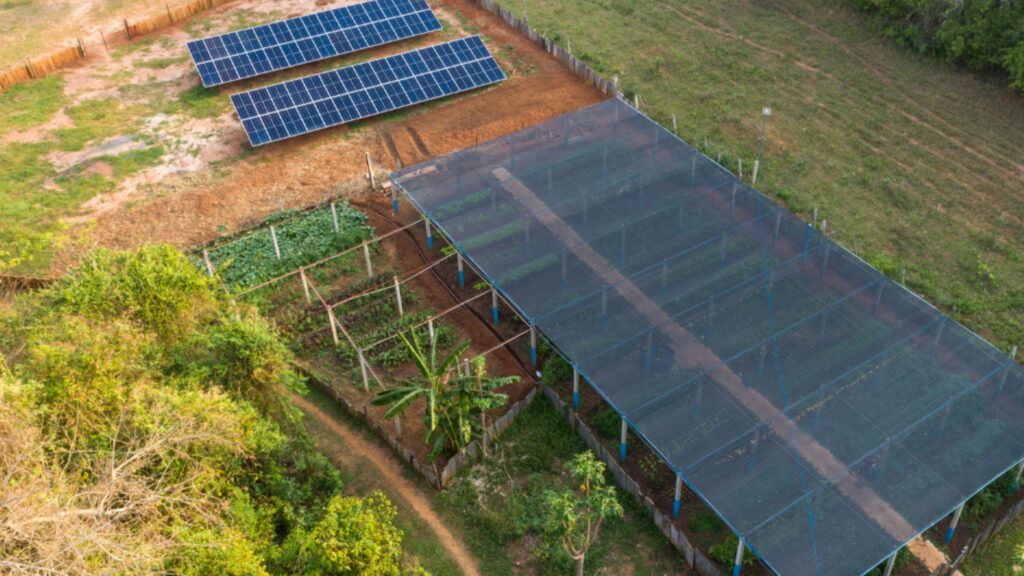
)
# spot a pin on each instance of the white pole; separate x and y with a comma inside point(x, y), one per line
point(677, 504)
point(334, 217)
point(622, 440)
point(430, 235)
point(891, 564)
point(305, 285)
point(675, 125)
point(757, 168)
point(1020, 474)
point(366, 256)
point(430, 330)
point(740, 162)
point(738, 564)
point(575, 389)
point(954, 522)
point(398, 297)
point(273, 236)
point(462, 272)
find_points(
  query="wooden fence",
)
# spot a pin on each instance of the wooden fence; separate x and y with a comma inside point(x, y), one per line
point(694, 557)
point(36, 68)
point(578, 67)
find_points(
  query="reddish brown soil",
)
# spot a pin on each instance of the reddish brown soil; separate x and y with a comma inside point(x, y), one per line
point(309, 169)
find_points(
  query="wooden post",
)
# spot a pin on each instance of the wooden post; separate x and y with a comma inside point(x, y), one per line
point(369, 172)
point(305, 285)
point(398, 425)
point(739, 162)
point(334, 327)
point(127, 30)
point(170, 18)
point(362, 368)
point(369, 264)
point(757, 168)
point(81, 47)
point(209, 264)
point(31, 69)
point(494, 305)
point(675, 125)
point(430, 330)
point(462, 271)
point(334, 217)
point(104, 37)
point(273, 237)
point(398, 297)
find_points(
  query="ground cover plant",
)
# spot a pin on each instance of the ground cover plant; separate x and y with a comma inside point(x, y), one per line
point(151, 428)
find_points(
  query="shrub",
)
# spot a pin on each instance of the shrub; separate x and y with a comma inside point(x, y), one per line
point(355, 536)
point(556, 371)
point(607, 423)
point(725, 552)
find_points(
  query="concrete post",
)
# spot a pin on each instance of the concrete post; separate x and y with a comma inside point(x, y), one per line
point(369, 264)
point(575, 389)
point(277, 248)
point(494, 305)
point(430, 330)
point(305, 285)
point(622, 441)
point(677, 503)
point(533, 346)
point(430, 235)
point(462, 272)
point(398, 297)
point(753, 176)
point(738, 564)
point(334, 218)
point(952, 524)
point(369, 173)
point(739, 163)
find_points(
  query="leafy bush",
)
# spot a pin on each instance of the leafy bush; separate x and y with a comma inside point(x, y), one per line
point(725, 552)
point(607, 423)
point(556, 371)
point(355, 536)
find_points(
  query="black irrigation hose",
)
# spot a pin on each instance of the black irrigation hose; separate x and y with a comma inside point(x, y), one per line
point(485, 321)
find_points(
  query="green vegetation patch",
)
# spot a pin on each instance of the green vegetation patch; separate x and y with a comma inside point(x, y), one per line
point(30, 104)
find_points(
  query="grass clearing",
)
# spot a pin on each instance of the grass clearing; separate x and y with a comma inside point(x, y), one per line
point(913, 162)
point(30, 104)
point(1003, 555)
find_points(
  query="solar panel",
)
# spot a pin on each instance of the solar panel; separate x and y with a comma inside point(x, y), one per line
point(279, 45)
point(339, 96)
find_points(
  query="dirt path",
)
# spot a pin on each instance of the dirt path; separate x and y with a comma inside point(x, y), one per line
point(388, 469)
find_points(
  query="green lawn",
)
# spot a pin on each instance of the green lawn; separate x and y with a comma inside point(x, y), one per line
point(915, 164)
point(1002, 556)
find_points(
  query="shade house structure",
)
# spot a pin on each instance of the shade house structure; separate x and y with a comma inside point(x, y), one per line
point(825, 412)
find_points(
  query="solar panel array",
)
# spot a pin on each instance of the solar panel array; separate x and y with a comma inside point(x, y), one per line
point(340, 96)
point(262, 49)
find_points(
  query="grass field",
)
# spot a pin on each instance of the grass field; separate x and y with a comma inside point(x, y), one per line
point(1001, 556)
point(916, 165)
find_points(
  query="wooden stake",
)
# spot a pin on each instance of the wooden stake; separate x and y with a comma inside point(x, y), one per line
point(209, 265)
point(127, 30)
point(305, 285)
point(369, 171)
point(273, 236)
point(334, 217)
point(740, 163)
point(369, 265)
point(170, 19)
point(334, 327)
point(398, 297)
point(675, 125)
point(757, 168)
point(104, 37)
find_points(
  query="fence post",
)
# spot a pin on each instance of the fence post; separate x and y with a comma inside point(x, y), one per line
point(127, 30)
point(757, 168)
point(952, 524)
point(739, 162)
point(334, 327)
point(675, 125)
point(533, 345)
point(305, 285)
point(362, 368)
point(622, 440)
point(398, 297)
point(369, 172)
point(209, 265)
point(366, 256)
point(494, 304)
point(104, 37)
point(398, 425)
point(273, 237)
point(430, 235)
point(462, 272)
point(394, 198)
point(81, 47)
point(334, 217)
point(738, 564)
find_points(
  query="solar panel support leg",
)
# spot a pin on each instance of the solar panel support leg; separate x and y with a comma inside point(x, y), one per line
point(494, 305)
point(677, 503)
point(462, 270)
point(952, 523)
point(398, 297)
point(369, 264)
point(890, 564)
point(277, 247)
point(575, 389)
point(1020, 474)
point(430, 235)
point(533, 346)
point(622, 440)
point(738, 564)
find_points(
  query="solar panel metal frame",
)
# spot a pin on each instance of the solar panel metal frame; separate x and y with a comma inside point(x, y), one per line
point(337, 97)
point(318, 36)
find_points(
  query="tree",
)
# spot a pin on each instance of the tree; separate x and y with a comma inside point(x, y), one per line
point(355, 536)
point(575, 516)
point(456, 401)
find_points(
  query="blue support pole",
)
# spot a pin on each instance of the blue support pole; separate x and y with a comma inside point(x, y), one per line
point(462, 271)
point(430, 235)
point(533, 346)
point(494, 304)
point(952, 524)
point(622, 441)
point(575, 389)
point(394, 200)
point(678, 502)
point(738, 564)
